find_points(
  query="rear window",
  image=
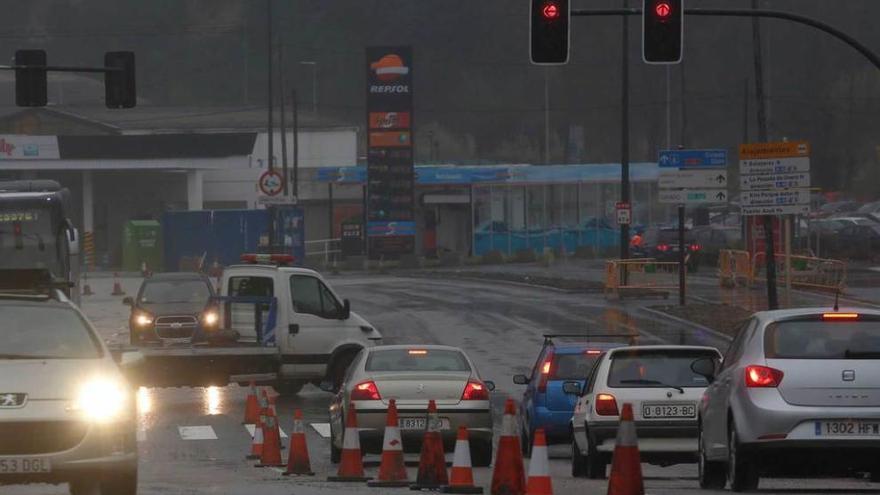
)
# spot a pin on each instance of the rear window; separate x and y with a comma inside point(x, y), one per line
point(175, 291)
point(572, 366)
point(416, 360)
point(656, 369)
point(251, 286)
point(45, 333)
point(823, 340)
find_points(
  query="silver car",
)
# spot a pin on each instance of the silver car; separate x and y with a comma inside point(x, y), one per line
point(413, 375)
point(798, 393)
point(67, 415)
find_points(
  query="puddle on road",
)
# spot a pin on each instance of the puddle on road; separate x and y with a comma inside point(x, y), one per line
point(214, 400)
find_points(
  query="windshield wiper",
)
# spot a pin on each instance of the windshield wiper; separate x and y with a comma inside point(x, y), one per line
point(653, 382)
point(861, 354)
point(27, 356)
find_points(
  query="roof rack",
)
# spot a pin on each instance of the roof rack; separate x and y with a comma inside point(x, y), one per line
point(632, 339)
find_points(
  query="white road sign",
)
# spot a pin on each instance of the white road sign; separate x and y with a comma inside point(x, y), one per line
point(776, 197)
point(776, 181)
point(693, 196)
point(277, 200)
point(774, 165)
point(696, 178)
point(751, 211)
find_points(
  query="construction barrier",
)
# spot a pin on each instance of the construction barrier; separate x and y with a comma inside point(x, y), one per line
point(640, 277)
point(806, 272)
point(734, 268)
point(88, 250)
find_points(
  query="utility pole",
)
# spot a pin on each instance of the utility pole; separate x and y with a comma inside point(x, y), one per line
point(295, 111)
point(269, 125)
point(546, 116)
point(624, 130)
point(284, 169)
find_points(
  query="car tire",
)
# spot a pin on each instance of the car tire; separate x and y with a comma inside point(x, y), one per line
point(874, 476)
point(578, 461)
point(596, 463)
point(525, 442)
point(335, 452)
point(481, 454)
point(288, 387)
point(741, 473)
point(711, 473)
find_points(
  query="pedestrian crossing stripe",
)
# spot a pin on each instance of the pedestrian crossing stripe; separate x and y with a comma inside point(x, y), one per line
point(323, 429)
point(251, 429)
point(196, 433)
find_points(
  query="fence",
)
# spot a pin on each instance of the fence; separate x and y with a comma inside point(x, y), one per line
point(806, 272)
point(324, 249)
point(734, 268)
point(640, 277)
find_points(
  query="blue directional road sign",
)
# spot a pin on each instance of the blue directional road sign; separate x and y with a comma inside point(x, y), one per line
point(693, 159)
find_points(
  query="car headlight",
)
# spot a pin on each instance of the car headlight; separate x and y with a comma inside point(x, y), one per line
point(210, 318)
point(143, 319)
point(102, 400)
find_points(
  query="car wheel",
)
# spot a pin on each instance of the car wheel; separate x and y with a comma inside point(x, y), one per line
point(874, 476)
point(525, 440)
point(335, 452)
point(288, 387)
point(481, 454)
point(595, 462)
point(741, 473)
point(578, 461)
point(711, 473)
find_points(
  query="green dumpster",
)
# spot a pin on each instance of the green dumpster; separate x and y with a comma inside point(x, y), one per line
point(140, 244)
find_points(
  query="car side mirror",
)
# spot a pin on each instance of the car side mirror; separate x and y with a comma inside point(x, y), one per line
point(131, 359)
point(128, 301)
point(489, 385)
point(520, 379)
point(73, 241)
point(572, 388)
point(346, 310)
point(704, 367)
point(327, 386)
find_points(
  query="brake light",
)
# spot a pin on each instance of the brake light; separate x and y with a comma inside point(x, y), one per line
point(696, 247)
point(606, 405)
point(840, 316)
point(662, 247)
point(763, 377)
point(546, 369)
point(593, 352)
point(475, 390)
point(366, 391)
point(417, 352)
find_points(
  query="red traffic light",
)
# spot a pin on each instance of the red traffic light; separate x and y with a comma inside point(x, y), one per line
point(550, 11)
point(663, 11)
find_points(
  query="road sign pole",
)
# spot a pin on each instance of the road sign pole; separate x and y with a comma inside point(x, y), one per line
point(788, 260)
point(772, 295)
point(624, 138)
point(682, 249)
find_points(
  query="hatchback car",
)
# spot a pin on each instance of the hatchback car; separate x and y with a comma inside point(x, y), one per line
point(67, 415)
point(169, 308)
point(798, 393)
point(563, 358)
point(413, 375)
point(661, 244)
point(664, 392)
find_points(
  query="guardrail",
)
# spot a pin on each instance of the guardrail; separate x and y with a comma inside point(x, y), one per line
point(640, 277)
point(326, 248)
point(734, 268)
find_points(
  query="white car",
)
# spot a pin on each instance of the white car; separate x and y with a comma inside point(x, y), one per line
point(664, 393)
point(67, 414)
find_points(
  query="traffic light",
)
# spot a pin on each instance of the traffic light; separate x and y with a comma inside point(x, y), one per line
point(119, 85)
point(549, 31)
point(30, 83)
point(662, 31)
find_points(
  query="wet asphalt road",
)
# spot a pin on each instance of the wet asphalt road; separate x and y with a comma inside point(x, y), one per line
point(500, 325)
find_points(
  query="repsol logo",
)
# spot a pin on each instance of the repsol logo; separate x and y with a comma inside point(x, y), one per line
point(389, 88)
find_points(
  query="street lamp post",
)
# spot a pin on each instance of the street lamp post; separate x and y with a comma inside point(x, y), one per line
point(314, 83)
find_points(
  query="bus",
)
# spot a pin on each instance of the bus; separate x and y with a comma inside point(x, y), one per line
point(37, 235)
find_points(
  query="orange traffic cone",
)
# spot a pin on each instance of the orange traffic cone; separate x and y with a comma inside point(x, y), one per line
point(257, 439)
point(539, 467)
point(461, 479)
point(298, 460)
point(626, 465)
point(117, 286)
point(252, 407)
point(392, 472)
point(271, 456)
point(432, 462)
point(509, 476)
point(352, 466)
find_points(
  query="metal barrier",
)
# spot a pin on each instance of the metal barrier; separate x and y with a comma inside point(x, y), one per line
point(640, 277)
point(325, 249)
point(734, 268)
point(806, 271)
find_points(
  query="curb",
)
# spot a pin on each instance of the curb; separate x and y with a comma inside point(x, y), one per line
point(682, 321)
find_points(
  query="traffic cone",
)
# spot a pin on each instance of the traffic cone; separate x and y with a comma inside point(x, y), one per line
point(271, 455)
point(461, 478)
point(509, 477)
point(87, 289)
point(626, 466)
point(271, 400)
point(432, 462)
point(352, 466)
point(257, 439)
point(298, 460)
point(539, 467)
point(392, 472)
point(117, 287)
point(252, 407)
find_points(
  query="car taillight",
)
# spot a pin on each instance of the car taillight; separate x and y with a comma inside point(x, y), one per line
point(365, 391)
point(696, 247)
point(762, 377)
point(546, 370)
point(840, 316)
point(606, 405)
point(662, 247)
point(475, 390)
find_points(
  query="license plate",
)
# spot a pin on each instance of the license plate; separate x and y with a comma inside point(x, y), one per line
point(651, 411)
point(25, 465)
point(419, 423)
point(848, 428)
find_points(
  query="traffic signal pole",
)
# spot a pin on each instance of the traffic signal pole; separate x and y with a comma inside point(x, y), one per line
point(624, 136)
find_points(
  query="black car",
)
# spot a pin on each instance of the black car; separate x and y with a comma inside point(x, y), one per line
point(170, 308)
point(661, 244)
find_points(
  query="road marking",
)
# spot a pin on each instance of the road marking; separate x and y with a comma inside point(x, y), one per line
point(251, 429)
point(141, 435)
point(323, 429)
point(197, 433)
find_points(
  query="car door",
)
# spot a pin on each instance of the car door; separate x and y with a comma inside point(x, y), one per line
point(717, 395)
point(528, 402)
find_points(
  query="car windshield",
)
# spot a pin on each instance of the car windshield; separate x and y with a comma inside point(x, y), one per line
point(823, 340)
point(416, 360)
point(175, 291)
point(37, 332)
point(656, 369)
point(572, 366)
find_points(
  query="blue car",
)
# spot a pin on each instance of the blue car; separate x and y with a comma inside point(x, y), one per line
point(564, 358)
